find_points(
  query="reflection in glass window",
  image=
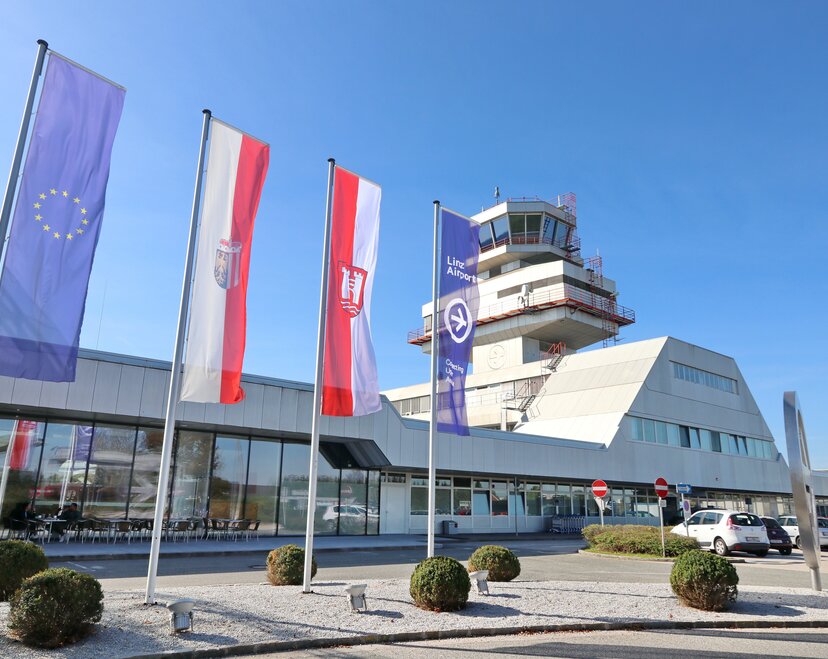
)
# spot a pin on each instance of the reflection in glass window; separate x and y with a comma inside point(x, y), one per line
point(327, 497)
point(578, 500)
point(563, 500)
point(533, 227)
point(293, 494)
point(229, 477)
point(63, 466)
point(486, 240)
point(353, 508)
point(695, 442)
point(516, 499)
point(27, 443)
point(145, 470)
point(533, 499)
point(500, 227)
point(480, 504)
point(462, 501)
point(419, 500)
point(110, 464)
point(548, 230)
point(548, 499)
point(373, 502)
point(684, 434)
point(561, 234)
point(649, 430)
point(192, 474)
point(262, 497)
point(673, 437)
point(500, 502)
point(517, 226)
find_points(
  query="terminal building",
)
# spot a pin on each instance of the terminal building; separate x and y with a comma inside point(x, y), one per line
point(548, 418)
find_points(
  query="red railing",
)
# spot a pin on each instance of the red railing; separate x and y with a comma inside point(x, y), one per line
point(574, 298)
point(572, 246)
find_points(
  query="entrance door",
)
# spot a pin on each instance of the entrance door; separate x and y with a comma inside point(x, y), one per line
point(393, 511)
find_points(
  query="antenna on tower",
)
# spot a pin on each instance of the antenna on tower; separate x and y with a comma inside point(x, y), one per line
point(497, 195)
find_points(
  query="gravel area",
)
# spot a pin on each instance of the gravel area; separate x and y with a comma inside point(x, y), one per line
point(249, 613)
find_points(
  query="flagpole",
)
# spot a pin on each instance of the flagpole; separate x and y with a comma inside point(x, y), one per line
point(317, 388)
point(17, 159)
point(435, 348)
point(175, 375)
point(7, 465)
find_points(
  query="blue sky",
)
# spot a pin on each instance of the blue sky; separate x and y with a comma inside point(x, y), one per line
point(694, 134)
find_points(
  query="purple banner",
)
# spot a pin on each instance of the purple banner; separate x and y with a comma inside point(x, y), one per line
point(56, 224)
point(459, 249)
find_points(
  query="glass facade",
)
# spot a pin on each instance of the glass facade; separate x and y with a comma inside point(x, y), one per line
point(111, 472)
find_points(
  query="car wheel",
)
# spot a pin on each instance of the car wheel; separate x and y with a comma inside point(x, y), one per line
point(785, 552)
point(796, 542)
point(721, 547)
point(761, 554)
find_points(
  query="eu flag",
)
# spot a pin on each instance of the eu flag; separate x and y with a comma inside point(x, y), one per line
point(56, 223)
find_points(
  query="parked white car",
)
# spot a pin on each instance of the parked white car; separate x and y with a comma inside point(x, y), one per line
point(724, 531)
point(788, 522)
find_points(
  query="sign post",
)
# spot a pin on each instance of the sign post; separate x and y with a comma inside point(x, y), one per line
point(599, 491)
point(682, 489)
point(661, 490)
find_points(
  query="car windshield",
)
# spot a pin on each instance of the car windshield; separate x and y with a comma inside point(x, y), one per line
point(744, 519)
point(770, 523)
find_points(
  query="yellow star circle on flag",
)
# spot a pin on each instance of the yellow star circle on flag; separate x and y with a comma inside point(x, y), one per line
point(69, 235)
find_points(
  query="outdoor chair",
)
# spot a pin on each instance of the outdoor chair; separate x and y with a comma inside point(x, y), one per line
point(218, 529)
point(179, 529)
point(122, 529)
point(238, 528)
point(253, 529)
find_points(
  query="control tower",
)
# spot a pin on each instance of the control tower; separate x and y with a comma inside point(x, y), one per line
point(539, 300)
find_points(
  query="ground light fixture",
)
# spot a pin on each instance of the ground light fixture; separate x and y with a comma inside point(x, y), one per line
point(181, 615)
point(356, 597)
point(481, 578)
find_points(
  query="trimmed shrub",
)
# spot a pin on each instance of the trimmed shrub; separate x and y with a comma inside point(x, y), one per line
point(55, 607)
point(635, 539)
point(440, 583)
point(501, 562)
point(704, 581)
point(18, 561)
point(286, 566)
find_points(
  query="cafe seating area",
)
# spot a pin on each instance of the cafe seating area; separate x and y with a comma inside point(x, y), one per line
point(51, 529)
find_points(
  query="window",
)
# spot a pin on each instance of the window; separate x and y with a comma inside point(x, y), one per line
point(145, 470)
point(661, 432)
point(533, 223)
point(673, 435)
point(649, 430)
point(548, 499)
point(706, 438)
point(500, 502)
point(533, 499)
point(262, 496)
point(517, 226)
point(462, 497)
point(684, 435)
point(500, 226)
point(229, 477)
point(23, 461)
point(695, 442)
point(746, 519)
point(548, 230)
point(353, 494)
point(485, 238)
point(706, 378)
point(516, 499)
point(110, 465)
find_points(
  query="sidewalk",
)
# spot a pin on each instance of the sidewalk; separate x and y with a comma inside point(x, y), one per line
point(76, 551)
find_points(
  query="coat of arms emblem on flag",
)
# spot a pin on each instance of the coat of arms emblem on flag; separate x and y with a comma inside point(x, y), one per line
point(351, 288)
point(227, 266)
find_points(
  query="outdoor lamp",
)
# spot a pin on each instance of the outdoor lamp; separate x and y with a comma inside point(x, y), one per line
point(481, 579)
point(181, 615)
point(356, 597)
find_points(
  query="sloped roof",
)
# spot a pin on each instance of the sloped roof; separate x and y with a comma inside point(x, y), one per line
point(588, 395)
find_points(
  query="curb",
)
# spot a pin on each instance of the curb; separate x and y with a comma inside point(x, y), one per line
point(372, 639)
point(655, 559)
point(61, 558)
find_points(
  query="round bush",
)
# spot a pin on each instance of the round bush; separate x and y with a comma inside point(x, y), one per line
point(704, 581)
point(286, 566)
point(55, 607)
point(18, 561)
point(501, 563)
point(440, 583)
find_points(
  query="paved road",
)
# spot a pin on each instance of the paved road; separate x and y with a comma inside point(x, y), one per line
point(699, 644)
point(540, 560)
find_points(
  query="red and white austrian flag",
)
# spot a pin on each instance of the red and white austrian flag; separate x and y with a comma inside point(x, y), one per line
point(349, 383)
point(236, 170)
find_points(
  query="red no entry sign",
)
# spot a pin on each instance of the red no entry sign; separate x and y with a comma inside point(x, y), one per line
point(661, 487)
point(599, 488)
